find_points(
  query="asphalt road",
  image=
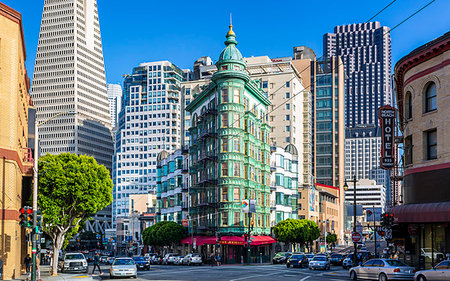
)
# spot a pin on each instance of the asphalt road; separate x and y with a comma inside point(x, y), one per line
point(234, 273)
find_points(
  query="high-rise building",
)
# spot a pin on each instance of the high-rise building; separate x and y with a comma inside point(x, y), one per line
point(229, 150)
point(149, 122)
point(114, 98)
point(365, 50)
point(16, 162)
point(69, 75)
point(368, 194)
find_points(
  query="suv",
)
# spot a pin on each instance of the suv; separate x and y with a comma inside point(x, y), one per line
point(170, 258)
point(74, 262)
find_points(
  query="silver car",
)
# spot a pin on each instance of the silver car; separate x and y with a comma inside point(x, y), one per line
point(382, 270)
point(320, 262)
point(439, 272)
point(123, 267)
point(192, 259)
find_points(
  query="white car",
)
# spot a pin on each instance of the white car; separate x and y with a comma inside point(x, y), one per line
point(123, 267)
point(439, 272)
point(74, 262)
point(192, 259)
point(319, 262)
point(382, 270)
point(170, 258)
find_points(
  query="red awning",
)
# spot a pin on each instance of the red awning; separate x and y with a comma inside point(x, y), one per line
point(232, 240)
point(428, 212)
point(199, 240)
point(263, 240)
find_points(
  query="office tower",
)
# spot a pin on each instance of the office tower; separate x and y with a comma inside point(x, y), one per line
point(324, 78)
point(16, 160)
point(149, 122)
point(69, 75)
point(368, 194)
point(229, 150)
point(365, 50)
point(203, 68)
point(283, 184)
point(114, 97)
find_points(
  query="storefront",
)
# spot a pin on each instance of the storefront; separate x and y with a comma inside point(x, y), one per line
point(421, 233)
point(232, 249)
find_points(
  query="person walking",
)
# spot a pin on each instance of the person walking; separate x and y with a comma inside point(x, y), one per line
point(97, 263)
point(27, 262)
point(38, 269)
point(212, 259)
point(218, 259)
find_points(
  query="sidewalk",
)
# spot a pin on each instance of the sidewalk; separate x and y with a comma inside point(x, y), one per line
point(45, 276)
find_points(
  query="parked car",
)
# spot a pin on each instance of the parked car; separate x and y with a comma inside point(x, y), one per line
point(429, 253)
point(281, 257)
point(192, 259)
point(336, 259)
point(156, 259)
point(439, 272)
point(383, 270)
point(123, 267)
point(319, 262)
point(74, 262)
point(170, 258)
point(178, 260)
point(310, 257)
point(142, 263)
point(103, 259)
point(297, 260)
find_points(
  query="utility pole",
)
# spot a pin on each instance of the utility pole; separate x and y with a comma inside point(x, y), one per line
point(374, 230)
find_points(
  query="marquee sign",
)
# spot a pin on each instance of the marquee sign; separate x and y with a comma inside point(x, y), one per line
point(386, 115)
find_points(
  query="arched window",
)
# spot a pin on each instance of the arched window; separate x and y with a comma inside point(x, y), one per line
point(430, 97)
point(408, 105)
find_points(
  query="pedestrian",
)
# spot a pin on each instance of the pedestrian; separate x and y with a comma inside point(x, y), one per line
point(218, 259)
point(447, 256)
point(97, 263)
point(27, 262)
point(212, 259)
point(38, 269)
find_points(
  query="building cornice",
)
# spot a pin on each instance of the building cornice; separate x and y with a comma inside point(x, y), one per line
point(16, 17)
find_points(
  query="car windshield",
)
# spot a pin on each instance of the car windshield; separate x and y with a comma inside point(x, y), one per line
point(138, 259)
point(296, 256)
point(336, 256)
point(74, 257)
point(279, 255)
point(395, 263)
point(123, 262)
point(195, 255)
point(320, 258)
point(310, 255)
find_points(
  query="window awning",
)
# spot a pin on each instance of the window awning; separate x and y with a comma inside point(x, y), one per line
point(428, 212)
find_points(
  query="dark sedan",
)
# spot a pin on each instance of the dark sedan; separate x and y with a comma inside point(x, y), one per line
point(297, 260)
point(281, 257)
point(336, 259)
point(141, 263)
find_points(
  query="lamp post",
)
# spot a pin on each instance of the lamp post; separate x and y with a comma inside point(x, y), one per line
point(35, 189)
point(325, 223)
point(354, 214)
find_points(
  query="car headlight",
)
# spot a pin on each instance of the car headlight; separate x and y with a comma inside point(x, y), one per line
point(84, 263)
point(66, 263)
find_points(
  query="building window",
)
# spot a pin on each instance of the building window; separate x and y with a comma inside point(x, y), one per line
point(224, 95)
point(236, 145)
point(288, 84)
point(408, 105)
point(408, 150)
point(236, 96)
point(431, 144)
point(224, 120)
point(224, 219)
point(237, 169)
point(288, 117)
point(430, 97)
point(237, 196)
point(288, 95)
point(224, 145)
point(225, 169)
point(224, 194)
point(288, 128)
point(236, 121)
point(288, 106)
point(237, 218)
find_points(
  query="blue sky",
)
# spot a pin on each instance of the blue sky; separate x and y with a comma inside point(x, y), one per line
point(137, 31)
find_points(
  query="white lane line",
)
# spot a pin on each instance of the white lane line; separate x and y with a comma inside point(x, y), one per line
point(254, 276)
point(172, 272)
point(303, 279)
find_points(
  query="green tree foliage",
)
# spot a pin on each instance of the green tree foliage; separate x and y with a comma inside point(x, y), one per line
point(164, 233)
point(296, 231)
point(71, 189)
point(331, 239)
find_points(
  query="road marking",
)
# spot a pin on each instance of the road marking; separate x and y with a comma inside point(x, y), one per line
point(82, 276)
point(254, 276)
point(303, 279)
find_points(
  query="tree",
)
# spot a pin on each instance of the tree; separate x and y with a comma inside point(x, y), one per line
point(312, 231)
point(164, 233)
point(331, 239)
point(71, 188)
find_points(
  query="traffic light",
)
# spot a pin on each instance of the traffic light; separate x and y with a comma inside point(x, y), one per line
point(38, 220)
point(385, 219)
point(391, 220)
point(26, 217)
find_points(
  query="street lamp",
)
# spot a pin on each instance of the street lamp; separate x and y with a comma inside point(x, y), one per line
point(325, 223)
point(354, 214)
point(35, 187)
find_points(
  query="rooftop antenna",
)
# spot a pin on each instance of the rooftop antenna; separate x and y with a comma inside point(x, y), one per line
point(231, 19)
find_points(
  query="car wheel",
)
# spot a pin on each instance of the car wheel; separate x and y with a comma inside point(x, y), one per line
point(288, 265)
point(421, 278)
point(382, 277)
point(353, 275)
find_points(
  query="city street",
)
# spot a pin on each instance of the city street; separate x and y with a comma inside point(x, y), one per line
point(227, 272)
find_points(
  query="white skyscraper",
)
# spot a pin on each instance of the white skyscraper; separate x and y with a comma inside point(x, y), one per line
point(114, 96)
point(69, 75)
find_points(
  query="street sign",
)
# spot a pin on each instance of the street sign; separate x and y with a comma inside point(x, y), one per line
point(356, 237)
point(245, 206)
point(185, 222)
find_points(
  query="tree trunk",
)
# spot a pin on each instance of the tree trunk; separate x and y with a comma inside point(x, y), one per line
point(58, 241)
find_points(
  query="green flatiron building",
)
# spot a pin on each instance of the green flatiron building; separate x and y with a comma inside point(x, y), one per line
point(229, 150)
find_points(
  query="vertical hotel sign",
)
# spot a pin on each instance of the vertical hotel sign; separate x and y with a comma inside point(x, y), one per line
point(387, 122)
